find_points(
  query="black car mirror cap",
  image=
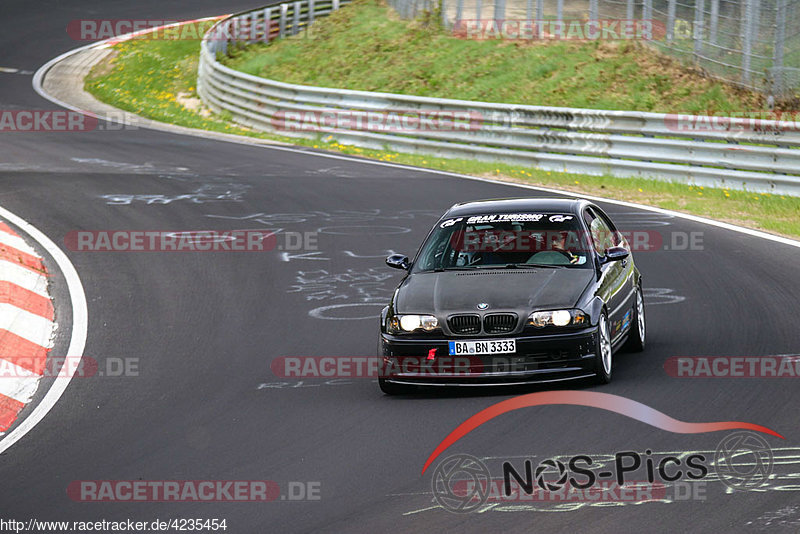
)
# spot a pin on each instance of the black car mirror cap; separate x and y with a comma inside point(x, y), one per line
point(398, 261)
point(615, 254)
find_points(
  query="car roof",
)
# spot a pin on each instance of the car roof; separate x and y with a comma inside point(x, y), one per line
point(516, 205)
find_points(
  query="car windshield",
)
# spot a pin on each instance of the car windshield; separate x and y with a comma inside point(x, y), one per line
point(506, 240)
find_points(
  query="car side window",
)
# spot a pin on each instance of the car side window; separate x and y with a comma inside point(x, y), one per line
point(603, 236)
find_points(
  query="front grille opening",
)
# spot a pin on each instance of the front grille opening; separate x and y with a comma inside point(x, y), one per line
point(499, 323)
point(465, 324)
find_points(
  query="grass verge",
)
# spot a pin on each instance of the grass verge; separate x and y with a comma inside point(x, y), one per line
point(156, 79)
point(367, 47)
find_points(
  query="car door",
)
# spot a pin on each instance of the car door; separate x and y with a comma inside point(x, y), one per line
point(615, 285)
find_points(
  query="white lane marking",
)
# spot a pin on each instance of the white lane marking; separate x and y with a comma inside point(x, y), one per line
point(9, 70)
point(23, 277)
point(27, 325)
point(17, 382)
point(16, 242)
point(77, 342)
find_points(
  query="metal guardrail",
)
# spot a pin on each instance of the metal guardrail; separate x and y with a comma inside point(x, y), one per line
point(759, 156)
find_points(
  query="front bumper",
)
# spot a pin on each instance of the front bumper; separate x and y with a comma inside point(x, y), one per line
point(538, 359)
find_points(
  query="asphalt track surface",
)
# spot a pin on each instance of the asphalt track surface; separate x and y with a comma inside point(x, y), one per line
point(205, 327)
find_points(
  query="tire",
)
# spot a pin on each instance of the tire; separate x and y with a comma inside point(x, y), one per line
point(638, 332)
point(603, 359)
point(390, 388)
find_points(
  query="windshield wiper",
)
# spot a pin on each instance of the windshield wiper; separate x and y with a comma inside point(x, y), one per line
point(531, 266)
point(454, 268)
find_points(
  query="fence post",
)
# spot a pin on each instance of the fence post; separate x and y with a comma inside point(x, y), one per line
point(593, 9)
point(459, 11)
point(712, 32)
point(746, 35)
point(444, 13)
point(560, 9)
point(629, 10)
point(311, 8)
point(756, 24)
point(697, 31)
point(478, 9)
point(529, 8)
point(647, 10)
point(671, 20)
point(777, 53)
point(499, 10)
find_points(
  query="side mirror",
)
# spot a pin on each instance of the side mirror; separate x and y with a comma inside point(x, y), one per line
point(398, 261)
point(615, 254)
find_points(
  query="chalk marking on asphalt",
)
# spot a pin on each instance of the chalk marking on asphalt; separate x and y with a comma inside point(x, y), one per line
point(38, 79)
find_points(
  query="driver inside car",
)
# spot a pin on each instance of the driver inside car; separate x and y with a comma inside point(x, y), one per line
point(558, 252)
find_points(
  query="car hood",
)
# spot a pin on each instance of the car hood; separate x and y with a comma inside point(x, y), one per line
point(519, 290)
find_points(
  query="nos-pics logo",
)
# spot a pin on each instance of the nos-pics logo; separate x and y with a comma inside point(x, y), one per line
point(461, 483)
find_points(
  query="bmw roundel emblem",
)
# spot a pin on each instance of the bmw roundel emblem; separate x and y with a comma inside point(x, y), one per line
point(483, 305)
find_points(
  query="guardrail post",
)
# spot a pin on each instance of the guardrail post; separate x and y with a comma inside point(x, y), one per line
point(226, 35)
point(671, 20)
point(234, 33)
point(282, 23)
point(296, 18)
point(253, 27)
point(267, 23)
point(335, 5)
point(697, 34)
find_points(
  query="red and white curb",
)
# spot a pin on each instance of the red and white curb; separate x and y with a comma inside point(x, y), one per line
point(78, 327)
point(26, 324)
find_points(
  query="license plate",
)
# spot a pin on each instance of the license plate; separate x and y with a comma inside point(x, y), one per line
point(477, 348)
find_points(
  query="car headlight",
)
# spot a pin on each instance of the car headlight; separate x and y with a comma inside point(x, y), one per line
point(397, 324)
point(573, 317)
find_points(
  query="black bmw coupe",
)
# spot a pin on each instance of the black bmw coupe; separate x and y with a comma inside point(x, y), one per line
point(512, 291)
